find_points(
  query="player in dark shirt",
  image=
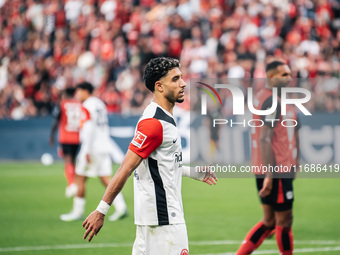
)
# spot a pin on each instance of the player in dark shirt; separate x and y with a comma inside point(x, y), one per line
point(271, 146)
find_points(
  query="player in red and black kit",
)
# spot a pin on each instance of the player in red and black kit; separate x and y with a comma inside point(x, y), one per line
point(67, 118)
point(272, 145)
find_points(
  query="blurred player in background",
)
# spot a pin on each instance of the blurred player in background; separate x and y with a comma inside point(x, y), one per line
point(156, 154)
point(272, 145)
point(94, 158)
point(67, 118)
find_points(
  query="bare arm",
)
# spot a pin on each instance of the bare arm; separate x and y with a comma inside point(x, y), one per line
point(129, 164)
point(53, 131)
point(57, 116)
point(297, 144)
point(267, 156)
point(95, 220)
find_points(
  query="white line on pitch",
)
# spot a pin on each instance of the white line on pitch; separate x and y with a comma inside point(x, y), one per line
point(222, 242)
point(299, 250)
point(65, 247)
point(31, 174)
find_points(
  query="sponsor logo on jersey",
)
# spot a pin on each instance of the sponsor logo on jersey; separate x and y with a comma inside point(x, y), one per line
point(178, 157)
point(139, 139)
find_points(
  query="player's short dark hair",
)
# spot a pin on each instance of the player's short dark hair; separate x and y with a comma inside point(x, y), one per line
point(156, 69)
point(274, 65)
point(86, 86)
point(69, 92)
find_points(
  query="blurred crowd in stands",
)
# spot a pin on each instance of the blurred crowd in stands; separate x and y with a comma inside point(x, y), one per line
point(49, 45)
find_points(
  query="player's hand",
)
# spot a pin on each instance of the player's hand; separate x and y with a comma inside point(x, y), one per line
point(267, 187)
point(93, 224)
point(88, 158)
point(210, 177)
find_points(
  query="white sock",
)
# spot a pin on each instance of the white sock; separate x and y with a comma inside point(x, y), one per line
point(119, 203)
point(79, 205)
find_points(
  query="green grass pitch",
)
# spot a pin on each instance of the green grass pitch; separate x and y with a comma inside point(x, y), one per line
point(32, 198)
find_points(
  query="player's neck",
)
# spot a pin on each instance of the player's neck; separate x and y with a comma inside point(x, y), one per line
point(164, 103)
point(271, 88)
point(85, 98)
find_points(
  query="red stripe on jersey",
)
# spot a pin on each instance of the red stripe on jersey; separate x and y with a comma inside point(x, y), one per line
point(85, 116)
point(148, 137)
point(280, 196)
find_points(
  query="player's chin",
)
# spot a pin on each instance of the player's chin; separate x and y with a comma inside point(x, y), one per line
point(180, 100)
point(283, 83)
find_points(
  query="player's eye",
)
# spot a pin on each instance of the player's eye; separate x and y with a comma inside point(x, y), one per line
point(176, 78)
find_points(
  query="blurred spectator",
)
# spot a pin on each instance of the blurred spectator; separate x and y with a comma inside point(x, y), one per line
point(48, 45)
point(112, 98)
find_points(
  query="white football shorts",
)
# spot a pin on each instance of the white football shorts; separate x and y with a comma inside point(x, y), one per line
point(101, 165)
point(165, 240)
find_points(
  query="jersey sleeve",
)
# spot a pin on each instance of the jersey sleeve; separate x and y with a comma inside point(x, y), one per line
point(148, 137)
point(269, 119)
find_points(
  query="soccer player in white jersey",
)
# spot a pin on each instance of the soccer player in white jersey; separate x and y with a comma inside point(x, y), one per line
point(155, 154)
point(94, 156)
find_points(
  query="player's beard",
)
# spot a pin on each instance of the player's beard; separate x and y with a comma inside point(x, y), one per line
point(180, 100)
point(175, 99)
point(281, 82)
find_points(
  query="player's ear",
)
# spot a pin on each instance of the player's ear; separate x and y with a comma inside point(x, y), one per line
point(159, 86)
point(270, 78)
point(270, 74)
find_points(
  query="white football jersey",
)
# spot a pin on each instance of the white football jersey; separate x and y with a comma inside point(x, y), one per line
point(158, 179)
point(94, 133)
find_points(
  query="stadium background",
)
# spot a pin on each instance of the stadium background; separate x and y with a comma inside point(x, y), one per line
point(46, 46)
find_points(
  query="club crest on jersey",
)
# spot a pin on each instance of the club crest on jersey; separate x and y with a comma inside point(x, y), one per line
point(139, 139)
point(184, 252)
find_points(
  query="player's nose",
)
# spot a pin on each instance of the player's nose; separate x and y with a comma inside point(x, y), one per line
point(183, 83)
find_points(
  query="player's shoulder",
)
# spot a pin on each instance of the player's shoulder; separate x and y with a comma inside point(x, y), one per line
point(93, 102)
point(70, 101)
point(154, 111)
point(149, 111)
point(264, 99)
point(264, 94)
